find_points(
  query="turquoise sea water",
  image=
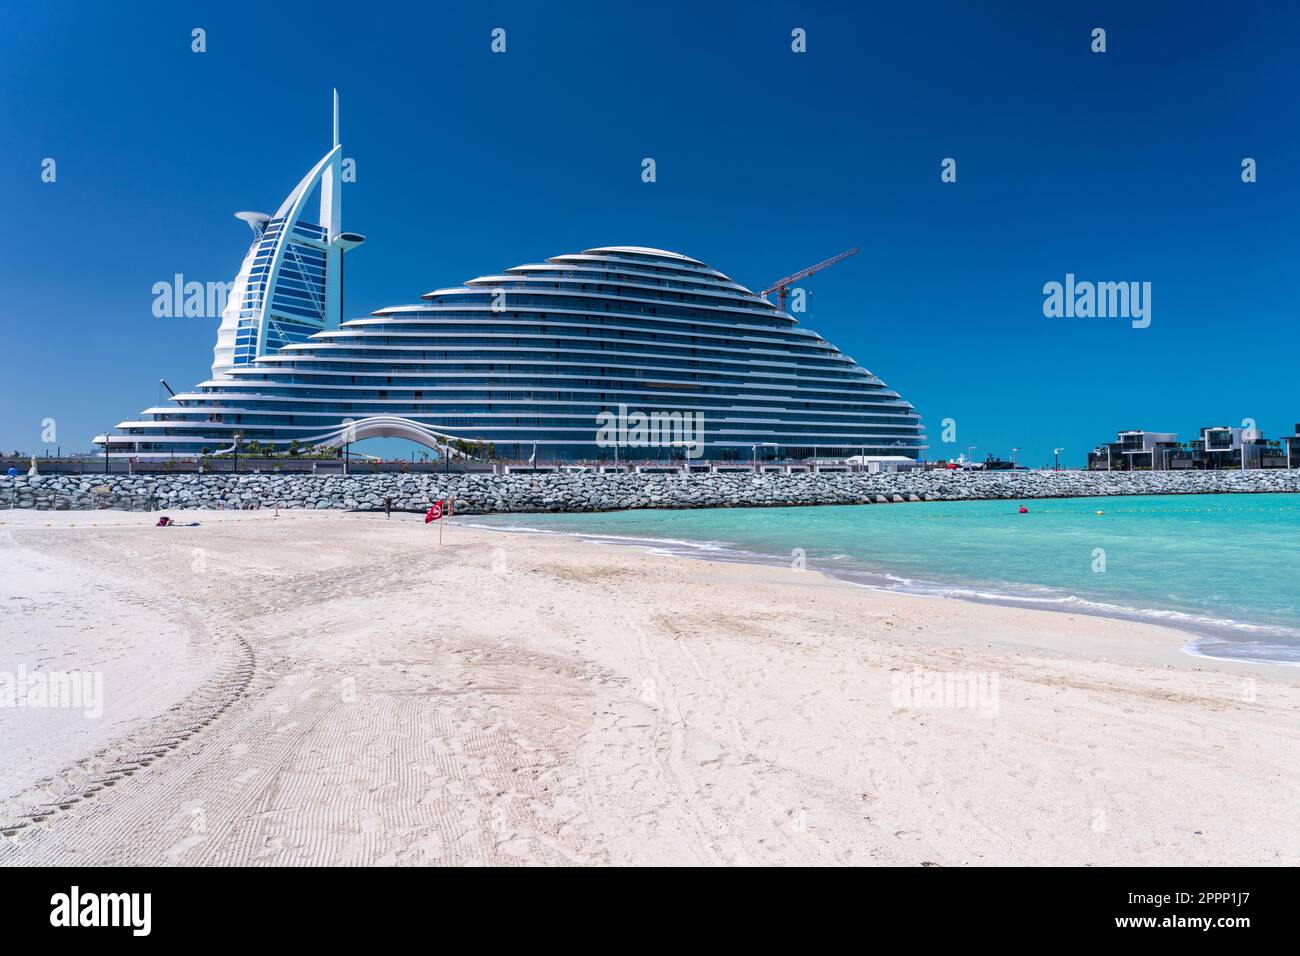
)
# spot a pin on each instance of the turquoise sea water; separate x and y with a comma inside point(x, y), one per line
point(1226, 567)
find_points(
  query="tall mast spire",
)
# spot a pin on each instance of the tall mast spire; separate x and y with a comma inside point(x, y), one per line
point(331, 193)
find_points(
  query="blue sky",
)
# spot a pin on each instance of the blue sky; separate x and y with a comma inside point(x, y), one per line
point(1122, 166)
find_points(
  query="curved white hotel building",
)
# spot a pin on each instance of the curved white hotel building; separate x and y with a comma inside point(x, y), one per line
point(531, 356)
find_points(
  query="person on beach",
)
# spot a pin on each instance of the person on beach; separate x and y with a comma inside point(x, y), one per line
point(388, 507)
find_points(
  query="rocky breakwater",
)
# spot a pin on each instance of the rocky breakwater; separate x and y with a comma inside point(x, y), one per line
point(495, 494)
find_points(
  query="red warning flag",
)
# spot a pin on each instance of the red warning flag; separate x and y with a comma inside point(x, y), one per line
point(434, 513)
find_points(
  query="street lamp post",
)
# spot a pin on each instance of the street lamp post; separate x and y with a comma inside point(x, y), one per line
point(107, 437)
point(970, 457)
point(1057, 453)
point(1013, 458)
point(238, 437)
point(756, 447)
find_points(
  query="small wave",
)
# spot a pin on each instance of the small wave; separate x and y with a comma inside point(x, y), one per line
point(1216, 637)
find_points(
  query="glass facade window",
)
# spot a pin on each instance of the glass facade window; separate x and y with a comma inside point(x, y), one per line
point(573, 337)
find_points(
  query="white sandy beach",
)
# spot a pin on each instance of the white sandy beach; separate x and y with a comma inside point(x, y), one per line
point(327, 688)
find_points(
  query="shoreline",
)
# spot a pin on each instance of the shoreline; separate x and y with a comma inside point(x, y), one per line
point(1199, 629)
point(1196, 629)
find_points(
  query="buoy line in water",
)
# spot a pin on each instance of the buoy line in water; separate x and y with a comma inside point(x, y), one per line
point(1114, 511)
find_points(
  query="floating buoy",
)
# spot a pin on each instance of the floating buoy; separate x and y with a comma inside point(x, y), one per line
point(1100, 512)
point(1024, 510)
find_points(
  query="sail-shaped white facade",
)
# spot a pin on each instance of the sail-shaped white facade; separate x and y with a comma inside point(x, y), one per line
point(289, 285)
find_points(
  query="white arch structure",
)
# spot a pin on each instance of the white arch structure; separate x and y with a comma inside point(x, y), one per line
point(387, 426)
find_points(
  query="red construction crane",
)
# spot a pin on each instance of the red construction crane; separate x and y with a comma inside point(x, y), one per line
point(782, 286)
